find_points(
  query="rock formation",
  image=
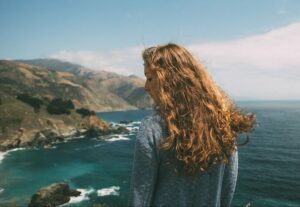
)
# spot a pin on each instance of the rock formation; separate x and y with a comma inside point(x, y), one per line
point(53, 195)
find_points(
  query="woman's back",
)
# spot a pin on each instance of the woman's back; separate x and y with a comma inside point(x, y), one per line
point(202, 124)
point(155, 183)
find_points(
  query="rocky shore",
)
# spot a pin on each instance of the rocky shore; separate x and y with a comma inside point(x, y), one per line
point(58, 131)
point(46, 103)
point(53, 195)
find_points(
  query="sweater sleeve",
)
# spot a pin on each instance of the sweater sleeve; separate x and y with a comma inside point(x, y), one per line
point(145, 167)
point(229, 180)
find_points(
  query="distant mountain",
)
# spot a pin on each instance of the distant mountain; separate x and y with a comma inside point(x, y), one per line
point(76, 69)
point(17, 78)
point(57, 65)
point(31, 95)
point(128, 88)
point(32, 116)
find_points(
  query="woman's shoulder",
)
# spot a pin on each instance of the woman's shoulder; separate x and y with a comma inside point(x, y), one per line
point(152, 125)
point(152, 120)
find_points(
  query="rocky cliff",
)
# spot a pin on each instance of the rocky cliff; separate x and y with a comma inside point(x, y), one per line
point(23, 126)
point(112, 87)
point(55, 194)
point(29, 123)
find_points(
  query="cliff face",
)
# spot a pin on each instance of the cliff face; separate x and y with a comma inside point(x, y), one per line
point(53, 195)
point(18, 78)
point(115, 89)
point(22, 125)
point(130, 89)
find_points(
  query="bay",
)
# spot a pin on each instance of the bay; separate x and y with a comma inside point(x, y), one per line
point(269, 165)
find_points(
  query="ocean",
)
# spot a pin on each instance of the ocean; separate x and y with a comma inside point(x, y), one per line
point(269, 165)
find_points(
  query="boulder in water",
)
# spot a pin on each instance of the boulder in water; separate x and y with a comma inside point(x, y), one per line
point(53, 195)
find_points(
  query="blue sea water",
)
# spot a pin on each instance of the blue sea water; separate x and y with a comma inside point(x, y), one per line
point(269, 166)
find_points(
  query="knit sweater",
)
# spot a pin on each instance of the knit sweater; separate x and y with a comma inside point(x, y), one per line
point(153, 183)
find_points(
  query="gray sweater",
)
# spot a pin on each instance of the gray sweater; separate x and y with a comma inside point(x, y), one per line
point(154, 183)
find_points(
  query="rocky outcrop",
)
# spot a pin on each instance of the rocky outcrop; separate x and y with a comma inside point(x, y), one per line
point(58, 131)
point(28, 122)
point(96, 90)
point(93, 122)
point(54, 195)
point(33, 138)
point(96, 127)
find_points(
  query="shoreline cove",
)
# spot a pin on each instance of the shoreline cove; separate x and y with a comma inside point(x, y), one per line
point(4, 154)
point(104, 168)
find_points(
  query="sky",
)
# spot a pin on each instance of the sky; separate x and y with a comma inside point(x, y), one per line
point(251, 48)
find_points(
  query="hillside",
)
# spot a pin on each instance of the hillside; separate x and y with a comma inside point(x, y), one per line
point(128, 88)
point(27, 92)
point(18, 78)
point(29, 116)
point(58, 65)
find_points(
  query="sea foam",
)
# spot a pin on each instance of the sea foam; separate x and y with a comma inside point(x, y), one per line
point(133, 127)
point(135, 123)
point(113, 190)
point(118, 138)
point(3, 154)
point(82, 197)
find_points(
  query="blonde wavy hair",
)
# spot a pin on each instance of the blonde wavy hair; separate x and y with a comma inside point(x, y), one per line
point(202, 122)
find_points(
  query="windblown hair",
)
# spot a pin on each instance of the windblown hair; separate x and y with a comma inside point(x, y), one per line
point(202, 122)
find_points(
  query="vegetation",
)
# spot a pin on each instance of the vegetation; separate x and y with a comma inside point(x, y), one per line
point(35, 102)
point(53, 75)
point(60, 106)
point(85, 112)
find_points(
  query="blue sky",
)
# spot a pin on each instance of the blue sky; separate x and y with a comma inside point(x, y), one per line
point(250, 47)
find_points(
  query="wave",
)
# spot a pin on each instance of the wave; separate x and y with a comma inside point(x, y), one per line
point(113, 190)
point(82, 197)
point(71, 138)
point(3, 154)
point(1, 190)
point(132, 128)
point(79, 137)
point(130, 124)
point(117, 138)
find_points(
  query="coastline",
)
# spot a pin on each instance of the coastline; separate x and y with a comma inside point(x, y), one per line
point(3, 154)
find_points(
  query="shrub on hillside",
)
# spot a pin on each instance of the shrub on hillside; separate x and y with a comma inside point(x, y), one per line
point(60, 106)
point(85, 112)
point(35, 102)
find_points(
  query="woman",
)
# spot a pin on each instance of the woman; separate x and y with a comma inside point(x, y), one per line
point(186, 152)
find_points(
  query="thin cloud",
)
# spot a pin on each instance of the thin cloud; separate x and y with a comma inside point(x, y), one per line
point(123, 61)
point(275, 50)
point(264, 66)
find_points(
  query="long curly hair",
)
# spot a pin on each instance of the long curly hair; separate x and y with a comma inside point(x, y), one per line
point(202, 122)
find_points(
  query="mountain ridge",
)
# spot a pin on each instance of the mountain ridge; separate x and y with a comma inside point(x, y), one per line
point(124, 89)
point(30, 95)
